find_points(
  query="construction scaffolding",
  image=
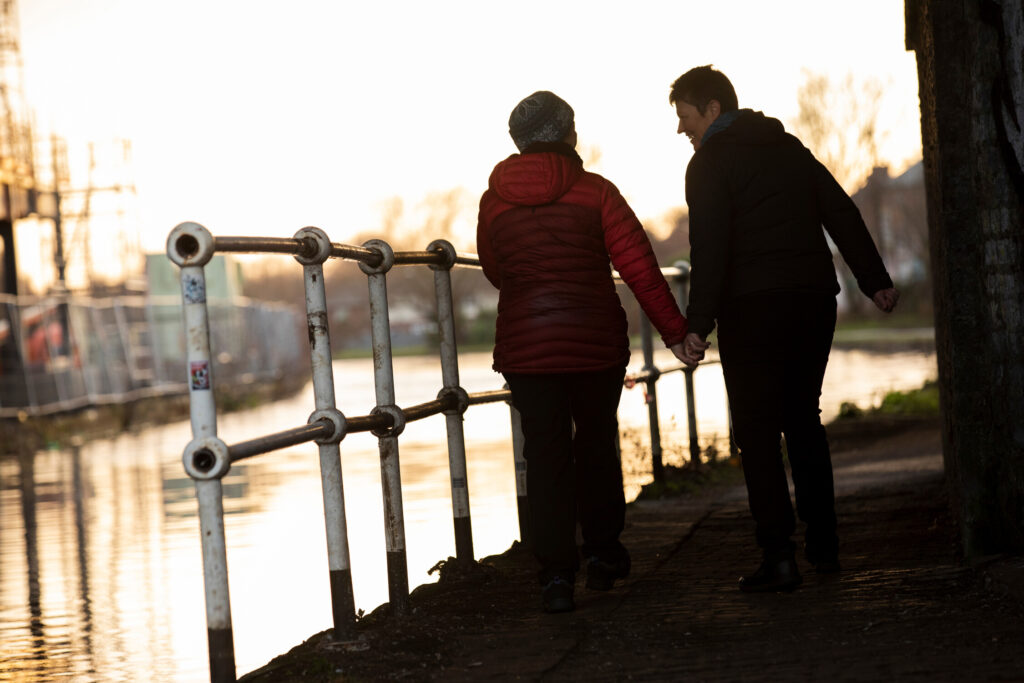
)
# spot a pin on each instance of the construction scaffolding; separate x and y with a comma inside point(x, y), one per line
point(21, 195)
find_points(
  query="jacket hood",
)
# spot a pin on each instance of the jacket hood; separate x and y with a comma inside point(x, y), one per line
point(535, 178)
point(753, 128)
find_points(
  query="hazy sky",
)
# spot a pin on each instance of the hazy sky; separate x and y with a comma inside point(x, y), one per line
point(261, 117)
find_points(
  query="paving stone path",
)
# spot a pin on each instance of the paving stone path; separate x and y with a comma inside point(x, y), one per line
point(905, 607)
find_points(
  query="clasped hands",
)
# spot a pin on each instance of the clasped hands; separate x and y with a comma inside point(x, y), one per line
point(691, 349)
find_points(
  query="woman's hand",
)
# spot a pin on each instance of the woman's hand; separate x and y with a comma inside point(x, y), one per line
point(690, 350)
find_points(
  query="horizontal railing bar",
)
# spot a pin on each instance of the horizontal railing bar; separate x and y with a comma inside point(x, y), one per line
point(489, 396)
point(410, 258)
point(367, 423)
point(418, 412)
point(646, 375)
point(370, 257)
point(273, 442)
point(275, 245)
point(467, 260)
point(640, 377)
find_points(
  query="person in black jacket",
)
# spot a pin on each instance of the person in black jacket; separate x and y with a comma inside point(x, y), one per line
point(762, 270)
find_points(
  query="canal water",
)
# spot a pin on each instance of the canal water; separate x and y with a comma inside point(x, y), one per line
point(100, 567)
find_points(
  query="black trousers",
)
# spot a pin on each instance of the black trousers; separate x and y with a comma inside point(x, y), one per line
point(774, 350)
point(569, 475)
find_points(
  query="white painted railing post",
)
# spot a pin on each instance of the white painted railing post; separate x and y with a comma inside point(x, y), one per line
point(384, 385)
point(339, 565)
point(651, 396)
point(453, 417)
point(682, 296)
point(206, 457)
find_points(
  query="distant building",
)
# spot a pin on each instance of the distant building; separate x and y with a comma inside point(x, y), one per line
point(223, 277)
point(894, 209)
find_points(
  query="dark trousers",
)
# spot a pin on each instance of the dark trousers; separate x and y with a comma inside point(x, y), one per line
point(774, 350)
point(571, 476)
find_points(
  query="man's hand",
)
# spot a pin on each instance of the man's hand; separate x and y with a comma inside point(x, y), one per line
point(886, 299)
point(690, 350)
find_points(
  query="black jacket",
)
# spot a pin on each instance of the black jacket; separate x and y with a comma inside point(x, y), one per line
point(758, 200)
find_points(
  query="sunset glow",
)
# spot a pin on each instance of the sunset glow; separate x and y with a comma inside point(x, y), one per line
point(260, 118)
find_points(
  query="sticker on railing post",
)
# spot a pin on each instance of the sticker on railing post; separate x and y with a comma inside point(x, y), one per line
point(199, 372)
point(194, 289)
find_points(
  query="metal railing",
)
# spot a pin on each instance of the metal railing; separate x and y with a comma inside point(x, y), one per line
point(62, 353)
point(207, 458)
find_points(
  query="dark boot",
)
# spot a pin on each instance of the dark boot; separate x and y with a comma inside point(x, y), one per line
point(824, 561)
point(777, 573)
point(557, 596)
point(601, 575)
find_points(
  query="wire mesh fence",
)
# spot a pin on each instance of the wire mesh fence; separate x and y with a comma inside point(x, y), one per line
point(63, 353)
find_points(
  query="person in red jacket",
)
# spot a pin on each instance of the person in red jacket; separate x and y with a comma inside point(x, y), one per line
point(548, 235)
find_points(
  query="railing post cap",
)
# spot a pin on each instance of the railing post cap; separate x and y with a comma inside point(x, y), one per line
point(190, 244)
point(323, 245)
point(447, 249)
point(387, 257)
point(653, 373)
point(461, 399)
point(206, 458)
point(337, 420)
point(397, 418)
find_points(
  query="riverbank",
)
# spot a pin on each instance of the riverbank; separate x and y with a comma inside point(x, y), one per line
point(28, 433)
point(884, 339)
point(905, 603)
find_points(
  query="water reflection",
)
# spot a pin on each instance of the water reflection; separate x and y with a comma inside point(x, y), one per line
point(100, 563)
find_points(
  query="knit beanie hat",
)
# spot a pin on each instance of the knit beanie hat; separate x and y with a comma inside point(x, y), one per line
point(541, 117)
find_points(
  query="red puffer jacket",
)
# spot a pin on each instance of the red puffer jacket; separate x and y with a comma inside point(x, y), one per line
point(546, 232)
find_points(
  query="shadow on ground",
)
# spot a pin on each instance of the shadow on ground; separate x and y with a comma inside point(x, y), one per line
point(904, 607)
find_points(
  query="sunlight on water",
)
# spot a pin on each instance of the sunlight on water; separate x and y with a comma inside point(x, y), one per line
point(100, 567)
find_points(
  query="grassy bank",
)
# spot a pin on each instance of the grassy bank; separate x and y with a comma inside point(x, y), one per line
point(922, 402)
point(855, 427)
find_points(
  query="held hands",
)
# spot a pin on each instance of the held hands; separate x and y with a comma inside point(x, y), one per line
point(690, 350)
point(886, 299)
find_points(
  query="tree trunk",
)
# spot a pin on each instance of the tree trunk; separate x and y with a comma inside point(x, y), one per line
point(972, 110)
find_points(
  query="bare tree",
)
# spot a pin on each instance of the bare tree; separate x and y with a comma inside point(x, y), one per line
point(274, 279)
point(436, 216)
point(838, 121)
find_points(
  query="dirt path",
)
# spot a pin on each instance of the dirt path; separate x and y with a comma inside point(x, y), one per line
point(905, 606)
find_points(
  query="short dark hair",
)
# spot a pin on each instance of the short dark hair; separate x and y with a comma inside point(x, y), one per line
point(700, 85)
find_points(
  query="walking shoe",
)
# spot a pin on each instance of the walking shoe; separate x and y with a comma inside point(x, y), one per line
point(774, 575)
point(557, 595)
point(829, 566)
point(824, 563)
point(601, 575)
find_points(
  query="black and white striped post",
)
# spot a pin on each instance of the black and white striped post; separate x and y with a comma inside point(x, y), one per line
point(682, 295)
point(339, 566)
point(651, 396)
point(384, 386)
point(206, 457)
point(453, 417)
